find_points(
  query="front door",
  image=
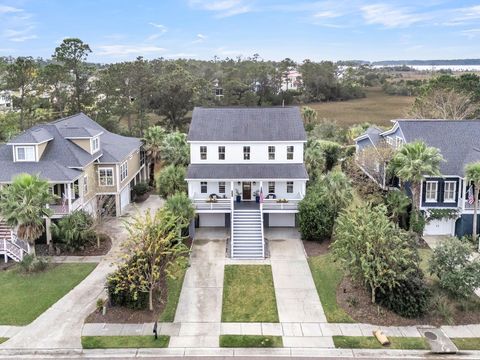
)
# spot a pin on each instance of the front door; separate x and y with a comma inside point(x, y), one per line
point(247, 190)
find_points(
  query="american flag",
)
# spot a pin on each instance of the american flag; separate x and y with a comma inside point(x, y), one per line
point(471, 198)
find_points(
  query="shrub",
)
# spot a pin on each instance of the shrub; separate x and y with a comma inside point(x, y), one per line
point(417, 222)
point(409, 298)
point(171, 180)
point(129, 299)
point(451, 263)
point(180, 205)
point(32, 264)
point(372, 249)
point(75, 230)
point(100, 303)
point(141, 189)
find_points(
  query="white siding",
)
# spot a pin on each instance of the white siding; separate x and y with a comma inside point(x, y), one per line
point(212, 220)
point(258, 153)
point(281, 220)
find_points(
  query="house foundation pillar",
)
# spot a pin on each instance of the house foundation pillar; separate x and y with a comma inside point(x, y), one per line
point(48, 230)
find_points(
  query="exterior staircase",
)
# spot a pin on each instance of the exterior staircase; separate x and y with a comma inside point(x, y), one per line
point(247, 234)
point(10, 246)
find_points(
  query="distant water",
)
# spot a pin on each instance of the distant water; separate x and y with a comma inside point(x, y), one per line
point(437, 67)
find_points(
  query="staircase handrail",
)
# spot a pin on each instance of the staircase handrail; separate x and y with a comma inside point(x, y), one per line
point(261, 224)
point(232, 205)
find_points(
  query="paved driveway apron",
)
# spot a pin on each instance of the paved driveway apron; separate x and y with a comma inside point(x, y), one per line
point(297, 297)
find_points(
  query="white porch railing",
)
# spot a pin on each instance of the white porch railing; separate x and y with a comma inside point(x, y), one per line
point(218, 204)
point(281, 204)
point(261, 222)
point(232, 204)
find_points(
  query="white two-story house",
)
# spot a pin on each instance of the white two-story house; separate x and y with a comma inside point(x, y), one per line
point(246, 172)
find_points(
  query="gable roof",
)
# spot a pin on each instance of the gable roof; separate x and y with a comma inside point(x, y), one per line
point(457, 140)
point(34, 135)
point(62, 157)
point(247, 124)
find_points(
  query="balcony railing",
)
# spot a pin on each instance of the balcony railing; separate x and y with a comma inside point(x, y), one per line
point(59, 209)
point(218, 204)
point(281, 204)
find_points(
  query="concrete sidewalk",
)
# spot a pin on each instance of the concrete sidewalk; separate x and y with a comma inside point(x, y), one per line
point(61, 325)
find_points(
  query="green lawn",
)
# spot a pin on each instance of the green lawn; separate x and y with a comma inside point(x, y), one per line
point(248, 294)
point(174, 289)
point(117, 342)
point(2, 340)
point(370, 342)
point(467, 343)
point(327, 275)
point(250, 341)
point(24, 297)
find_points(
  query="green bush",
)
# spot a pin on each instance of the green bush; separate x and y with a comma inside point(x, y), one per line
point(171, 180)
point(417, 222)
point(128, 299)
point(409, 298)
point(75, 230)
point(32, 264)
point(456, 273)
point(141, 189)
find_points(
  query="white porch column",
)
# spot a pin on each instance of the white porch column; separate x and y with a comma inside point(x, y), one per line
point(48, 223)
point(69, 196)
point(261, 187)
point(231, 189)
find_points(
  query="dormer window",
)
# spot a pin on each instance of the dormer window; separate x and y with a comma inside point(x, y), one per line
point(25, 153)
point(95, 144)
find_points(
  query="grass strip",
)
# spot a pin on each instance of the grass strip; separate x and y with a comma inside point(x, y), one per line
point(250, 341)
point(174, 286)
point(370, 342)
point(467, 343)
point(119, 342)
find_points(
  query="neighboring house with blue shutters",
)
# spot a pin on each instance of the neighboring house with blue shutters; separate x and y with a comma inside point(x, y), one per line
point(459, 144)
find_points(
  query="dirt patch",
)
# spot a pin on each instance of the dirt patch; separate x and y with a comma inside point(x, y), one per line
point(6, 265)
point(316, 248)
point(355, 300)
point(123, 315)
point(92, 250)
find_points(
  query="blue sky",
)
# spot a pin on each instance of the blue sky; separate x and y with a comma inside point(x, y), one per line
point(120, 30)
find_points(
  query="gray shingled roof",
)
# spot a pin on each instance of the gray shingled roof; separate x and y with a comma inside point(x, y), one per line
point(75, 132)
point(374, 134)
point(247, 124)
point(457, 140)
point(61, 154)
point(34, 135)
point(246, 171)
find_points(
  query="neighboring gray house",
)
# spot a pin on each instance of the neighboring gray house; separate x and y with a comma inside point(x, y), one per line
point(459, 144)
point(238, 154)
point(81, 160)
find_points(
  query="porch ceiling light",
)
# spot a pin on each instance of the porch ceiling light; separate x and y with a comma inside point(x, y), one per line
point(238, 183)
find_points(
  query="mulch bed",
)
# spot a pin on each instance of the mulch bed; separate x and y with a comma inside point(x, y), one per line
point(363, 311)
point(92, 250)
point(123, 315)
point(316, 248)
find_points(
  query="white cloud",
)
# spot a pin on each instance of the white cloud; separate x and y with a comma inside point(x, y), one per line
point(4, 9)
point(389, 16)
point(19, 35)
point(223, 8)
point(160, 27)
point(200, 38)
point(328, 14)
point(122, 50)
point(471, 33)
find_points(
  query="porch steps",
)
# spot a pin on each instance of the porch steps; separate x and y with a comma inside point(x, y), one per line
point(247, 241)
point(9, 245)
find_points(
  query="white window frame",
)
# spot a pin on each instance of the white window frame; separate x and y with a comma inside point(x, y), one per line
point(202, 184)
point(452, 191)
point(85, 185)
point(221, 154)
point(203, 152)
point(427, 191)
point(123, 170)
point(221, 186)
point(95, 144)
point(25, 147)
point(246, 153)
point(271, 152)
point(105, 183)
point(398, 142)
point(290, 154)
point(271, 187)
point(290, 186)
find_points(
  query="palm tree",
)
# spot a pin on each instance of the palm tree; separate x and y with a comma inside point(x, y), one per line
point(397, 204)
point(472, 172)
point(23, 205)
point(412, 163)
point(309, 115)
point(181, 205)
point(153, 140)
point(175, 149)
point(314, 159)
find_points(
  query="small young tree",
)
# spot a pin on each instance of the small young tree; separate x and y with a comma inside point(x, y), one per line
point(456, 272)
point(472, 172)
point(152, 250)
point(309, 115)
point(372, 249)
point(171, 180)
